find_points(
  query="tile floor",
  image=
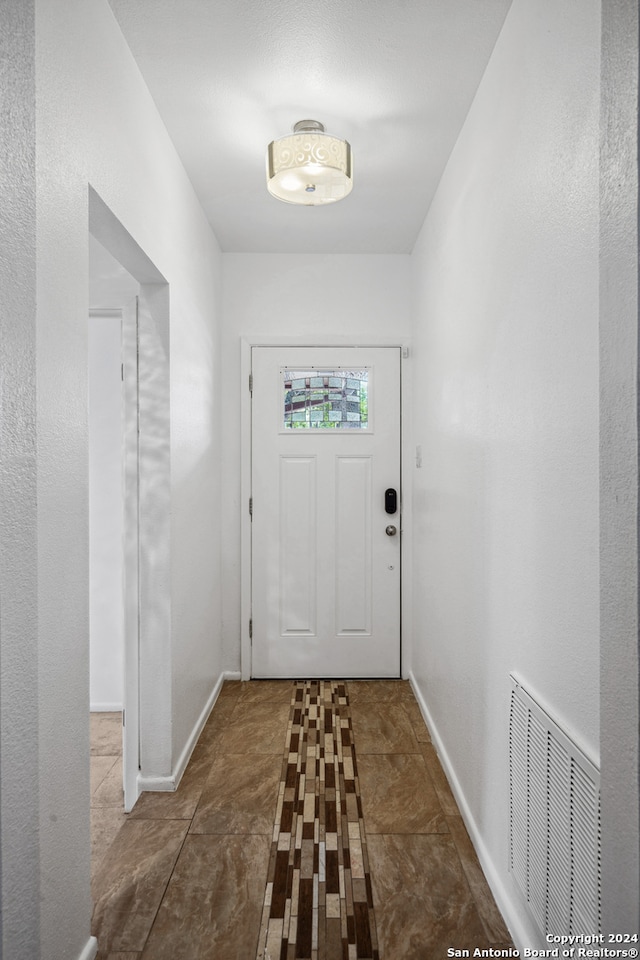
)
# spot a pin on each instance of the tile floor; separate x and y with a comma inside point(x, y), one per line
point(107, 811)
point(183, 876)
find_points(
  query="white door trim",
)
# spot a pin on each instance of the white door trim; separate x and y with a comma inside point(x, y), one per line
point(131, 545)
point(408, 463)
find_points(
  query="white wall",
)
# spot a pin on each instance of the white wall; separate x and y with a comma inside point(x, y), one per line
point(96, 125)
point(506, 410)
point(619, 727)
point(106, 514)
point(110, 285)
point(110, 288)
point(19, 812)
point(342, 298)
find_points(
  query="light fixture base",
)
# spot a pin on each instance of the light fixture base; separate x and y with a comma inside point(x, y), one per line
point(308, 126)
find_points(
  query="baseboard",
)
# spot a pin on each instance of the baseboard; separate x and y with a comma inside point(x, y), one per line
point(504, 897)
point(170, 783)
point(90, 950)
point(156, 784)
point(105, 708)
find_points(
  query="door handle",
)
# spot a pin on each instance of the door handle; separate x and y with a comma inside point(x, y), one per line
point(391, 530)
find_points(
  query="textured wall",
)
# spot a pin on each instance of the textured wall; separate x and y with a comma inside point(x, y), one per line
point(97, 125)
point(19, 862)
point(506, 411)
point(619, 465)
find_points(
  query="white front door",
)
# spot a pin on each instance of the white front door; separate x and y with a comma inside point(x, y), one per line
point(325, 535)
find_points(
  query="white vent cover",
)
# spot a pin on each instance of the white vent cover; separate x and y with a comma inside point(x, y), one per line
point(555, 821)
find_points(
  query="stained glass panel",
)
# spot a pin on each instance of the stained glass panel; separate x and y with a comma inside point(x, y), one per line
point(326, 399)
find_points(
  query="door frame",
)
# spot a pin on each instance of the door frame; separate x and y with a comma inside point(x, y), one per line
point(407, 463)
point(127, 316)
point(152, 720)
point(131, 551)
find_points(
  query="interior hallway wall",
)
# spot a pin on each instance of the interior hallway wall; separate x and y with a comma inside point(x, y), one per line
point(19, 797)
point(506, 357)
point(325, 298)
point(106, 514)
point(110, 288)
point(619, 648)
point(96, 124)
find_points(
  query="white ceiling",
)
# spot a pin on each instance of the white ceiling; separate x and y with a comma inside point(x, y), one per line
point(394, 77)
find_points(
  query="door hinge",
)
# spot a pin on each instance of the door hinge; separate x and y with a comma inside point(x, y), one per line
point(123, 723)
point(250, 383)
point(122, 372)
point(251, 629)
point(250, 506)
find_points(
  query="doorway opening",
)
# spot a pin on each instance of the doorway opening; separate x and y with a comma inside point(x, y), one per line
point(113, 543)
point(129, 495)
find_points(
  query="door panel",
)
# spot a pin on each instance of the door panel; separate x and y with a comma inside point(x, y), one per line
point(298, 545)
point(352, 557)
point(325, 575)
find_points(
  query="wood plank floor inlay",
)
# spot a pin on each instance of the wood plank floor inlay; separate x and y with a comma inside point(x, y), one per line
point(318, 903)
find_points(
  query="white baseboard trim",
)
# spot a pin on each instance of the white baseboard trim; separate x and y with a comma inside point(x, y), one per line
point(170, 783)
point(157, 784)
point(106, 708)
point(90, 950)
point(504, 897)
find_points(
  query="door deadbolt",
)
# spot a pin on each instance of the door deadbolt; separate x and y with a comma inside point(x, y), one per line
point(391, 530)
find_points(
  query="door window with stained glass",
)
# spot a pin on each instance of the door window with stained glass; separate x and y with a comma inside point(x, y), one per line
point(326, 399)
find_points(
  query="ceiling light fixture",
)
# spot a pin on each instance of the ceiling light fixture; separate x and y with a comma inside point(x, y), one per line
point(309, 167)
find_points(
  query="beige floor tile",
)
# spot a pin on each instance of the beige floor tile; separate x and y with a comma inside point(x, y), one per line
point(230, 689)
point(218, 720)
point(421, 898)
point(379, 691)
point(213, 904)
point(266, 691)
point(417, 721)
point(110, 793)
point(105, 826)
point(100, 767)
point(382, 728)
point(398, 795)
point(440, 782)
point(223, 708)
point(106, 734)
point(119, 956)
point(255, 728)
point(490, 916)
point(181, 804)
point(131, 881)
point(240, 795)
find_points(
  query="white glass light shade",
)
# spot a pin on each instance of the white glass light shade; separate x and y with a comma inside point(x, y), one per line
point(309, 167)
